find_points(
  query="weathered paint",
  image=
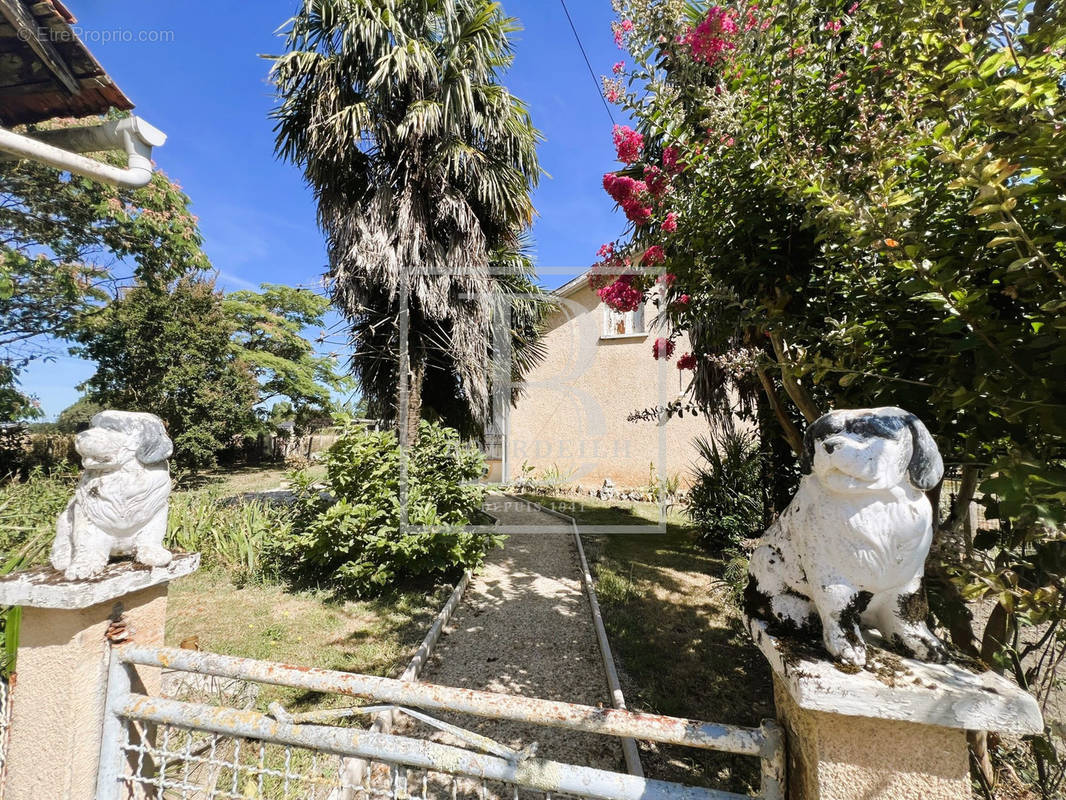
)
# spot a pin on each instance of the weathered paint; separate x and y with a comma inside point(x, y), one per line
point(605, 721)
point(545, 776)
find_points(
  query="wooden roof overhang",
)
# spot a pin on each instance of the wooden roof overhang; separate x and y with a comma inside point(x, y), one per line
point(45, 69)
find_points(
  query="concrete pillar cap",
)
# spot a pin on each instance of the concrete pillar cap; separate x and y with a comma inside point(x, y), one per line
point(44, 587)
point(892, 687)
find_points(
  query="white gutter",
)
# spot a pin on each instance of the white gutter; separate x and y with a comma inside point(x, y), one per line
point(62, 148)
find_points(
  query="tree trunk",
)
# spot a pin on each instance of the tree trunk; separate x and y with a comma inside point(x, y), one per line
point(416, 377)
point(962, 518)
point(792, 434)
point(793, 389)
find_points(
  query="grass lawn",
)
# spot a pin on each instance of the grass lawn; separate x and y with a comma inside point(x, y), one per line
point(676, 634)
point(268, 621)
point(229, 481)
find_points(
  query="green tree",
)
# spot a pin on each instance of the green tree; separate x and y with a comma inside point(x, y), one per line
point(77, 416)
point(168, 350)
point(422, 165)
point(268, 337)
point(67, 244)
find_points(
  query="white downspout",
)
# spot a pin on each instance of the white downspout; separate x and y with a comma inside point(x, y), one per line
point(132, 134)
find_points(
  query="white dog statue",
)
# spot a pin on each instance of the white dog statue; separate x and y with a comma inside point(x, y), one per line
point(850, 548)
point(120, 505)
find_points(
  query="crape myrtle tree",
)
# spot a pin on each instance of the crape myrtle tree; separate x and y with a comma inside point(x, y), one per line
point(422, 164)
point(66, 244)
point(860, 204)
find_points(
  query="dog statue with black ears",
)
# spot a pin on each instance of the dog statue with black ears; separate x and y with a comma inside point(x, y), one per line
point(850, 549)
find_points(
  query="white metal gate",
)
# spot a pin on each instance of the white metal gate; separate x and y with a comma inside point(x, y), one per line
point(164, 748)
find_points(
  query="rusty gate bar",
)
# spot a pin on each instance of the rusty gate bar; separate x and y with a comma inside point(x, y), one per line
point(546, 776)
point(552, 713)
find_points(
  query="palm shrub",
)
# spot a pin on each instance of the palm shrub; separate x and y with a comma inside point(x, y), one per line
point(726, 499)
point(352, 536)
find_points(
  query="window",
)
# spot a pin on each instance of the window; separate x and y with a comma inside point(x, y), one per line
point(623, 323)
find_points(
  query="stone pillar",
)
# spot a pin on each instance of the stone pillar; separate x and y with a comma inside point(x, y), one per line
point(57, 702)
point(894, 730)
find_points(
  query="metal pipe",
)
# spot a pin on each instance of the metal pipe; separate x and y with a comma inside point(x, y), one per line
point(131, 134)
point(109, 771)
point(552, 713)
point(546, 776)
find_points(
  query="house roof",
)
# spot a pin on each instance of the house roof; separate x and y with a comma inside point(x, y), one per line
point(571, 287)
point(45, 69)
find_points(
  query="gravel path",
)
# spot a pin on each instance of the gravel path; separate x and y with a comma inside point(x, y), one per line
point(524, 627)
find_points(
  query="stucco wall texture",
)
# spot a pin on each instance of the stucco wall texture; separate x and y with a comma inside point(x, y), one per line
point(57, 704)
point(572, 413)
point(834, 757)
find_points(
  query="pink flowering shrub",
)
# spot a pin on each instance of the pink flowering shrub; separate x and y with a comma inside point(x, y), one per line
point(670, 160)
point(687, 361)
point(628, 143)
point(662, 349)
point(653, 256)
point(710, 40)
point(621, 295)
point(630, 195)
point(657, 180)
point(670, 223)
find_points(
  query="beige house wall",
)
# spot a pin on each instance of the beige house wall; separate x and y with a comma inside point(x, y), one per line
point(572, 414)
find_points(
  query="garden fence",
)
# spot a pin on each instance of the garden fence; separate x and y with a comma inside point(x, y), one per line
point(169, 748)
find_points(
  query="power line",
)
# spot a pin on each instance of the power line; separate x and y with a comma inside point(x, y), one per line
point(592, 72)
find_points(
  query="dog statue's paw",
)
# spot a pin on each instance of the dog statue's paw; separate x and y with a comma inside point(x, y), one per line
point(844, 650)
point(80, 570)
point(154, 556)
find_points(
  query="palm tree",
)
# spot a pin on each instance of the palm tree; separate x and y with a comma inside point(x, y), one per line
point(422, 164)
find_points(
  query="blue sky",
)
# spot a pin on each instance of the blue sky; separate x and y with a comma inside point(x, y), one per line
point(207, 89)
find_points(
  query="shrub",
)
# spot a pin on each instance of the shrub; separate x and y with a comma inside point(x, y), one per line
point(353, 537)
point(726, 500)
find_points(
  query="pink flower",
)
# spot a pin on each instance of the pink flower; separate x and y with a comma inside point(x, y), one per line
point(606, 250)
point(667, 279)
point(627, 25)
point(637, 212)
point(687, 361)
point(834, 25)
point(618, 68)
point(612, 95)
point(628, 143)
point(662, 349)
point(878, 45)
point(670, 223)
point(853, 8)
point(621, 295)
point(682, 301)
point(657, 180)
point(728, 141)
point(709, 40)
point(621, 188)
point(670, 162)
point(653, 256)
